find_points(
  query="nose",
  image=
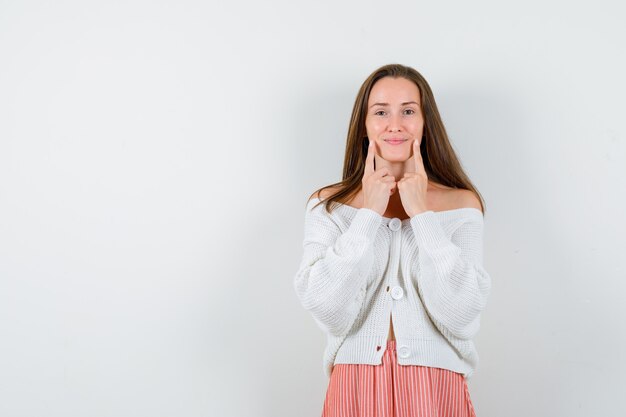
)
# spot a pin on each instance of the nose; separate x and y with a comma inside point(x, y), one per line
point(395, 123)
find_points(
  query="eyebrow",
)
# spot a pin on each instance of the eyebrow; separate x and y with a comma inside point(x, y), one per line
point(386, 104)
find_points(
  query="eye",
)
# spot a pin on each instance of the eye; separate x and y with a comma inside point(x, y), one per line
point(409, 111)
point(379, 112)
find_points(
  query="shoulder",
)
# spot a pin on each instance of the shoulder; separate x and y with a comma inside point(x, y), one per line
point(461, 198)
point(449, 198)
point(324, 193)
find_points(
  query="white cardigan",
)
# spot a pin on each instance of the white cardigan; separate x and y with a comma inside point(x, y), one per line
point(359, 267)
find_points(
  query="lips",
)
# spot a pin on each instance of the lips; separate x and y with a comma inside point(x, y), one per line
point(395, 141)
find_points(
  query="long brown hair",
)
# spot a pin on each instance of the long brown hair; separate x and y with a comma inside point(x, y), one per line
point(440, 161)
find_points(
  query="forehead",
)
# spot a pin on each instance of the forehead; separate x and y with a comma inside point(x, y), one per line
point(389, 90)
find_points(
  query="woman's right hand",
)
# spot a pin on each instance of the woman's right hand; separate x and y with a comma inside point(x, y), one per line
point(377, 185)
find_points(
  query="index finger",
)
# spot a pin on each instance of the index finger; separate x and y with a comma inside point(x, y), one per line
point(417, 157)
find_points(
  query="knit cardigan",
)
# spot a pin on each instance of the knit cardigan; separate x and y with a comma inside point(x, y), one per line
point(359, 267)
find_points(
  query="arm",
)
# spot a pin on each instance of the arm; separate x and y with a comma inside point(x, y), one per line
point(331, 281)
point(451, 280)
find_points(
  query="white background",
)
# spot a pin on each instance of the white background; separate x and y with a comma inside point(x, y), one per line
point(156, 157)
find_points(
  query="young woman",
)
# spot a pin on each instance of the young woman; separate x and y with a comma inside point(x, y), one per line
point(392, 266)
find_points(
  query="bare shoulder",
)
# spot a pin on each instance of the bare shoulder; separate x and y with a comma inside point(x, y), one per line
point(324, 193)
point(464, 198)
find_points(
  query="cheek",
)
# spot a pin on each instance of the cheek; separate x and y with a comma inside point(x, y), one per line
point(372, 126)
point(417, 124)
point(417, 120)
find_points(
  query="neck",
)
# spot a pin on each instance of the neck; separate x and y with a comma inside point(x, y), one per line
point(397, 168)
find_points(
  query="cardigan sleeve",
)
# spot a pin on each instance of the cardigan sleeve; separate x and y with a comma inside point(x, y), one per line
point(331, 281)
point(451, 280)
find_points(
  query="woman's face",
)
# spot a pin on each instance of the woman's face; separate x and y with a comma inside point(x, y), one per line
point(394, 117)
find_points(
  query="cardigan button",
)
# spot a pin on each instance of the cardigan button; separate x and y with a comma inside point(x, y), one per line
point(397, 292)
point(395, 224)
point(404, 351)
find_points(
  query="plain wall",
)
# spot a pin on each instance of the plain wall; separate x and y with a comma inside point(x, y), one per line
point(156, 157)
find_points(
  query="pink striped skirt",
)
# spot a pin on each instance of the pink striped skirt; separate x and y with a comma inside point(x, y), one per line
point(393, 390)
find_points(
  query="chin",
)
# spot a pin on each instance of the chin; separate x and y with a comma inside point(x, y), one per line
point(397, 158)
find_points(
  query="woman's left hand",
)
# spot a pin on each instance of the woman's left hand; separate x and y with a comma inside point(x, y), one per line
point(413, 185)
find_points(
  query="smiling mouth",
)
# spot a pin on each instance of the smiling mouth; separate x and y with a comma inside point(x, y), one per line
point(395, 141)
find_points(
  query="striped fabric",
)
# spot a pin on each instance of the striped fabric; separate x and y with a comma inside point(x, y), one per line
point(393, 390)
